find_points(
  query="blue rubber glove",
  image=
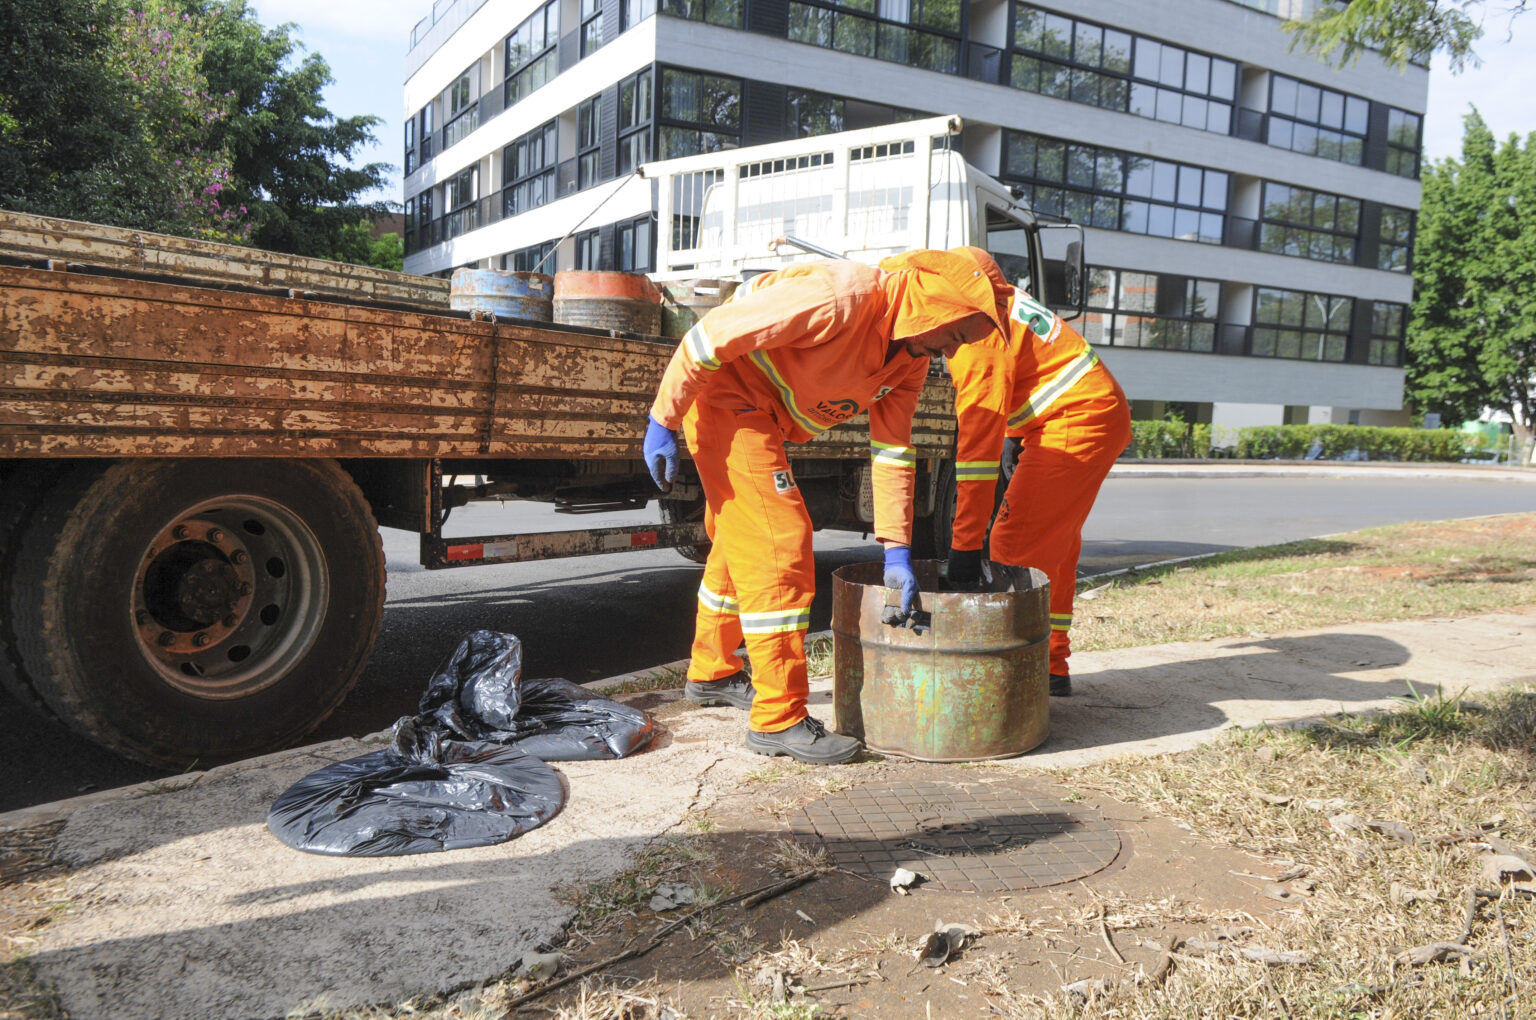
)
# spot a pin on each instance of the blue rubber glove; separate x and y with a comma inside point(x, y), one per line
point(898, 574)
point(660, 452)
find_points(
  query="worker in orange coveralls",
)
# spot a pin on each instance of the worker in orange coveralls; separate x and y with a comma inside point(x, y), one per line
point(1066, 420)
point(796, 352)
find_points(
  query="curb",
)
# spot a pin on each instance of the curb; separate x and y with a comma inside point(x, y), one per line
point(1313, 469)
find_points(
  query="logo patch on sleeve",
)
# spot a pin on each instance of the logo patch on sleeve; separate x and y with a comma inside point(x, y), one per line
point(783, 481)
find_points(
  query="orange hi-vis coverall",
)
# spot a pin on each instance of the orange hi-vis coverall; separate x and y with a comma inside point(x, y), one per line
point(795, 352)
point(1044, 384)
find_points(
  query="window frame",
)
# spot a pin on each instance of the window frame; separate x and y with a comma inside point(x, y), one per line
point(888, 39)
point(1188, 324)
point(546, 57)
point(1270, 226)
point(673, 127)
point(1381, 341)
point(518, 184)
point(636, 136)
point(1064, 196)
point(630, 232)
point(1316, 124)
point(1322, 334)
point(589, 142)
point(1134, 82)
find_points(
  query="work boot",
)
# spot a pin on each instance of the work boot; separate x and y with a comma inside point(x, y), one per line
point(735, 690)
point(807, 741)
point(1061, 685)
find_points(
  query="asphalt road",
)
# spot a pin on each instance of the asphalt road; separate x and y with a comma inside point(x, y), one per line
point(594, 617)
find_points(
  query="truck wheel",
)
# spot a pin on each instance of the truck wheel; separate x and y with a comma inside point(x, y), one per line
point(22, 485)
point(685, 511)
point(182, 611)
point(941, 525)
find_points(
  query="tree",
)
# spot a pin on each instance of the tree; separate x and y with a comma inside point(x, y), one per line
point(290, 154)
point(1399, 30)
point(360, 247)
point(1472, 336)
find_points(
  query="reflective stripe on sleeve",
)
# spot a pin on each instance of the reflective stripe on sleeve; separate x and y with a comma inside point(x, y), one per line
point(1061, 621)
point(977, 470)
point(782, 622)
point(723, 604)
point(1048, 392)
point(787, 395)
point(696, 342)
point(901, 457)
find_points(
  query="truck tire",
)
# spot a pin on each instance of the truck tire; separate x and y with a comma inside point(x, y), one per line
point(22, 485)
point(197, 611)
point(685, 511)
point(942, 524)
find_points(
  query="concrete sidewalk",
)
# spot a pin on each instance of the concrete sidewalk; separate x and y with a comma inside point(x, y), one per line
point(1205, 468)
point(184, 905)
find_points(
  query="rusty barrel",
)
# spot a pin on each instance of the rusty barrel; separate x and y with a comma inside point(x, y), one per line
point(624, 301)
point(973, 685)
point(685, 302)
point(510, 295)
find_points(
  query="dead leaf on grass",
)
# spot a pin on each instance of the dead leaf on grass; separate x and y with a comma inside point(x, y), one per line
point(1435, 952)
point(1290, 957)
point(1277, 799)
point(1346, 824)
point(1404, 896)
point(1499, 868)
point(1278, 892)
point(1392, 830)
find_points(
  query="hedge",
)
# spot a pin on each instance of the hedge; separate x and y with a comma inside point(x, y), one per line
point(1159, 439)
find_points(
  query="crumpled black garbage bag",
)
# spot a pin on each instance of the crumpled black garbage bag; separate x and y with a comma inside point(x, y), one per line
point(479, 694)
point(421, 795)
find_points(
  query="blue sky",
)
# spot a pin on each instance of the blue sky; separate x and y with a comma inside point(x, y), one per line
point(364, 41)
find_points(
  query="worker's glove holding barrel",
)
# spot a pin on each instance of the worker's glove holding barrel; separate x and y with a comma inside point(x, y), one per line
point(660, 452)
point(898, 574)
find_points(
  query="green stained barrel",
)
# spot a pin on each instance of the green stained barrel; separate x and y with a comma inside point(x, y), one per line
point(973, 685)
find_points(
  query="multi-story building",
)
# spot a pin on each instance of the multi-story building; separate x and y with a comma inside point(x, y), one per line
point(1249, 209)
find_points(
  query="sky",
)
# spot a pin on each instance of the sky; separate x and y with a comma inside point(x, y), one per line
point(364, 41)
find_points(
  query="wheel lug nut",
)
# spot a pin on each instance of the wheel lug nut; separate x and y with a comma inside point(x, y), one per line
point(237, 557)
point(166, 639)
point(245, 587)
point(215, 535)
point(200, 640)
point(231, 620)
point(180, 532)
point(140, 617)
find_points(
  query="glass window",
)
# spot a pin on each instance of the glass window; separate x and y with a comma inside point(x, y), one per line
point(1310, 224)
point(539, 258)
point(1297, 324)
point(1396, 243)
point(636, 253)
point(529, 171)
point(913, 32)
point(1316, 121)
point(812, 113)
point(591, 26)
point(588, 141)
point(459, 194)
point(699, 113)
point(636, 104)
point(1085, 62)
point(530, 53)
point(588, 251)
point(1403, 130)
point(1105, 188)
point(636, 11)
point(1164, 311)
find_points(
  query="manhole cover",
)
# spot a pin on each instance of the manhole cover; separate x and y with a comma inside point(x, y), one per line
point(990, 837)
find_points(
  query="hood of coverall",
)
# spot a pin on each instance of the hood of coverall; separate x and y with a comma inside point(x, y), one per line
point(935, 293)
point(958, 275)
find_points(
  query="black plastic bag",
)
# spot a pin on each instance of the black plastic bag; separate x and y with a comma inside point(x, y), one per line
point(479, 694)
point(421, 795)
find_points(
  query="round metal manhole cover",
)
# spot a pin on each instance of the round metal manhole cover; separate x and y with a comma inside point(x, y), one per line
point(991, 837)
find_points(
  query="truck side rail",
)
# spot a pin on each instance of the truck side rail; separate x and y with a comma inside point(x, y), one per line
point(35, 239)
point(855, 192)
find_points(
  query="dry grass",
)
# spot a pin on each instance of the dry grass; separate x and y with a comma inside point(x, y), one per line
point(1405, 571)
point(1459, 779)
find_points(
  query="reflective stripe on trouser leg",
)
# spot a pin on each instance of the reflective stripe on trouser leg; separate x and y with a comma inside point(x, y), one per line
point(1061, 467)
point(762, 539)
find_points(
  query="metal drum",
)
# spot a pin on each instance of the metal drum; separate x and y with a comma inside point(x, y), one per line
point(972, 686)
point(510, 295)
point(623, 301)
point(685, 302)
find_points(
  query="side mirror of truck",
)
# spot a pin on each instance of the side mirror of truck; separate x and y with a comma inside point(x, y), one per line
point(1066, 276)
